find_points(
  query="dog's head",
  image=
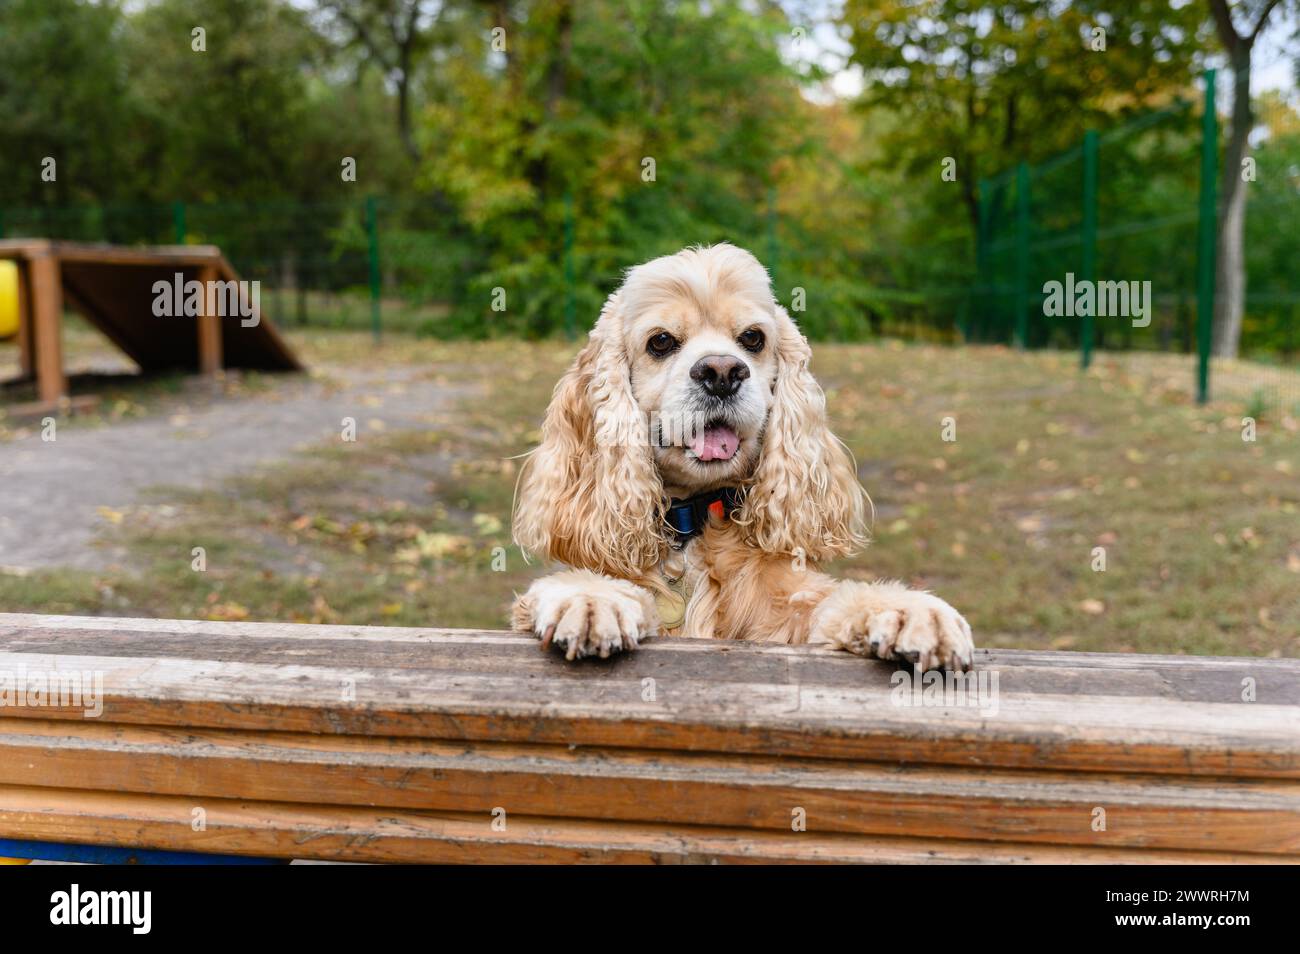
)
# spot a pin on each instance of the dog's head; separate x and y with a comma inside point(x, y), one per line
point(693, 378)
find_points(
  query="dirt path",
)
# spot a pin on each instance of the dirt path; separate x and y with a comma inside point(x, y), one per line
point(51, 493)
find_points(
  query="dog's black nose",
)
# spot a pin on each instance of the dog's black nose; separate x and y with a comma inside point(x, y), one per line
point(720, 374)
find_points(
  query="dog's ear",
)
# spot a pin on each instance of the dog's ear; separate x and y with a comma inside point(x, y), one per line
point(805, 497)
point(589, 496)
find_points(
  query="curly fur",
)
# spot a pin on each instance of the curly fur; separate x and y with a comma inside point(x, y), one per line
point(589, 496)
point(593, 495)
point(802, 462)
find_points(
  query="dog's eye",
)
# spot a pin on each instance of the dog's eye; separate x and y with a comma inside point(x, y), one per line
point(752, 340)
point(661, 344)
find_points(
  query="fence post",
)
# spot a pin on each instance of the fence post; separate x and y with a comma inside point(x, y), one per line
point(570, 319)
point(178, 222)
point(1088, 239)
point(372, 232)
point(1022, 256)
point(1207, 238)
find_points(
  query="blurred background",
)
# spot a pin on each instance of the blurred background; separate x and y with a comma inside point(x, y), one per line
point(437, 195)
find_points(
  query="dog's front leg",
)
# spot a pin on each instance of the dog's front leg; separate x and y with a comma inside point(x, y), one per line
point(890, 621)
point(586, 614)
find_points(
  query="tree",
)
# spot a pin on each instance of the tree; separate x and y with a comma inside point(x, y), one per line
point(1230, 276)
point(399, 36)
point(227, 122)
point(64, 95)
point(991, 82)
point(661, 121)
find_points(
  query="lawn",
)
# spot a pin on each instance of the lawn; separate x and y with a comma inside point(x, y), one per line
point(1051, 472)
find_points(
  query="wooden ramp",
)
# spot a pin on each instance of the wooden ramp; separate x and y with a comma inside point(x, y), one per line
point(113, 287)
point(392, 744)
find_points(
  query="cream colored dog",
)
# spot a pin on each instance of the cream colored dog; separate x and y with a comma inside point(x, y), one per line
point(687, 475)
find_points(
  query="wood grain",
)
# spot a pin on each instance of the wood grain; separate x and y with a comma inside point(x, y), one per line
point(379, 743)
point(1151, 714)
point(47, 322)
point(367, 835)
point(661, 787)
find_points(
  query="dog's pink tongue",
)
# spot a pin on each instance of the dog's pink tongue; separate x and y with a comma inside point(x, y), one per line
point(716, 443)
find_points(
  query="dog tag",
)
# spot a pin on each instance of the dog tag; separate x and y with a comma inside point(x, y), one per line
point(671, 607)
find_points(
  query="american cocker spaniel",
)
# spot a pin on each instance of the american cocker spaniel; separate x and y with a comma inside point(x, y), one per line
point(688, 478)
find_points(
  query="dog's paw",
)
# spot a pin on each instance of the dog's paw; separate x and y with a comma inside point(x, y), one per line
point(889, 621)
point(586, 614)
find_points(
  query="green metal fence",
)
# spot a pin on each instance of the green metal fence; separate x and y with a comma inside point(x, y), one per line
point(1080, 217)
point(1139, 203)
point(1132, 203)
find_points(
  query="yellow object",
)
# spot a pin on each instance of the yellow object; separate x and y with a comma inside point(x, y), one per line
point(672, 605)
point(8, 299)
point(15, 861)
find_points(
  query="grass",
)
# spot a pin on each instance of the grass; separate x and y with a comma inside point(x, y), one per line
point(1200, 530)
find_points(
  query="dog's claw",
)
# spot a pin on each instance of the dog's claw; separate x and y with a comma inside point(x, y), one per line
point(547, 637)
point(890, 622)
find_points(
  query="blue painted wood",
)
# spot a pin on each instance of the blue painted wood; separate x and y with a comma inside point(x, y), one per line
point(107, 855)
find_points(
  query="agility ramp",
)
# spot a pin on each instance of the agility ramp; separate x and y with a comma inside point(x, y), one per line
point(115, 288)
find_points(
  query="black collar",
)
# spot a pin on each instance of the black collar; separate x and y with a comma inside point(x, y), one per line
point(690, 515)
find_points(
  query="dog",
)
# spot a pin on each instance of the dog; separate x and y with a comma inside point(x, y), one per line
point(688, 478)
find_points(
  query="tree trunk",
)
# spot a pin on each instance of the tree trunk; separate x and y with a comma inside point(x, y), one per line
point(404, 112)
point(1230, 268)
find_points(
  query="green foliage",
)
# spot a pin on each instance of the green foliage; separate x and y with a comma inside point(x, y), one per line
point(508, 145)
point(579, 103)
point(992, 82)
point(64, 94)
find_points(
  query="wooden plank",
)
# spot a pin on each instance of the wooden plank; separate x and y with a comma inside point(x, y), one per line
point(659, 787)
point(400, 744)
point(268, 336)
point(26, 325)
point(94, 252)
point(365, 834)
point(94, 313)
point(118, 299)
point(47, 325)
point(708, 697)
point(1218, 680)
point(209, 332)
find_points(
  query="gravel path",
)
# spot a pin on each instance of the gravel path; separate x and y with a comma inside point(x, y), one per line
point(51, 492)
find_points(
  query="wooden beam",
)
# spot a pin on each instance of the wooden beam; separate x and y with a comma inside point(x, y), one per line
point(96, 253)
point(99, 318)
point(286, 357)
point(209, 323)
point(1070, 711)
point(659, 787)
point(47, 328)
point(388, 743)
point(335, 833)
point(26, 332)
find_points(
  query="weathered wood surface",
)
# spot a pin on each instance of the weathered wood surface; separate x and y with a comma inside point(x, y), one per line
point(398, 744)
